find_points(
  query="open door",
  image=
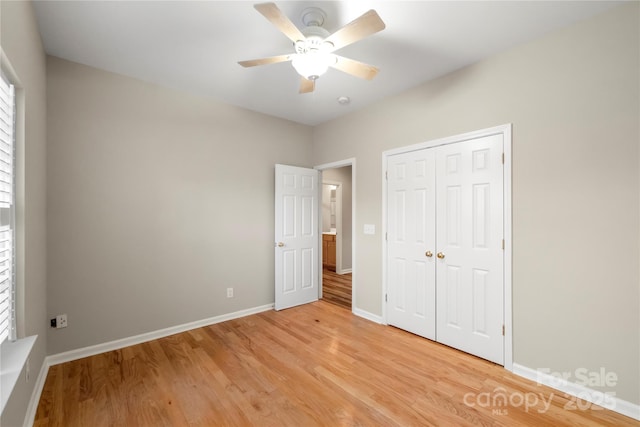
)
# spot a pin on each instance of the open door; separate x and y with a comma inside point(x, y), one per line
point(296, 236)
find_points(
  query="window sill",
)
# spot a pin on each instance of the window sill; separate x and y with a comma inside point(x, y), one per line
point(13, 357)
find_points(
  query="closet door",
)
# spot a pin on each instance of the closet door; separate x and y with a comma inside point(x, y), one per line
point(469, 259)
point(411, 242)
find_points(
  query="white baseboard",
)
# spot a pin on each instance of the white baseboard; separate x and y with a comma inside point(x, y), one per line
point(344, 271)
point(580, 391)
point(366, 315)
point(30, 416)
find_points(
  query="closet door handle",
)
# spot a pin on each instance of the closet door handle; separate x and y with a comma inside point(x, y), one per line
point(428, 254)
point(440, 255)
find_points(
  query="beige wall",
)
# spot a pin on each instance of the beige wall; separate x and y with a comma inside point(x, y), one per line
point(573, 99)
point(25, 57)
point(158, 201)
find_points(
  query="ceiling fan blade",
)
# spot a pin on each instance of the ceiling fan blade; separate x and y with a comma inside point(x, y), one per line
point(307, 86)
point(366, 25)
point(355, 68)
point(265, 61)
point(280, 20)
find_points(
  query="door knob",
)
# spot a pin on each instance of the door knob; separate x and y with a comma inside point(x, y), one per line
point(280, 244)
point(428, 254)
point(440, 255)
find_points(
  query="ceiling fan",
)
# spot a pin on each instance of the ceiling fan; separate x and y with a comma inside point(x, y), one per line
point(314, 45)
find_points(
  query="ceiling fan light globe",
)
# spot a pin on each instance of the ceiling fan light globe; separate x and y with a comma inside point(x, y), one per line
point(311, 65)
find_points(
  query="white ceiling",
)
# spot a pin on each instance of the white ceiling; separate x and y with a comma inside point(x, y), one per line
point(195, 45)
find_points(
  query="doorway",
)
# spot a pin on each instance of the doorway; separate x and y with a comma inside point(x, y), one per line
point(337, 285)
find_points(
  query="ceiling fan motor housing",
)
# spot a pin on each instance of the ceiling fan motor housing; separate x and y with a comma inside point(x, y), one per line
point(315, 37)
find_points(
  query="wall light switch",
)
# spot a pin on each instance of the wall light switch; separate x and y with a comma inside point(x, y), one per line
point(369, 229)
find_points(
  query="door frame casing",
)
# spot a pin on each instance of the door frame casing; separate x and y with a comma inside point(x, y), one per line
point(505, 131)
point(334, 165)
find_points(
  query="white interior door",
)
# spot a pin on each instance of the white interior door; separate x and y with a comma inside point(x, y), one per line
point(411, 242)
point(469, 264)
point(296, 236)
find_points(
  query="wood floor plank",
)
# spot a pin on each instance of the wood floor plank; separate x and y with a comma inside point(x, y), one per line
point(336, 288)
point(313, 365)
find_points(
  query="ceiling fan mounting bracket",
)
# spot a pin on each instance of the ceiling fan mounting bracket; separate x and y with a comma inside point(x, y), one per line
point(313, 17)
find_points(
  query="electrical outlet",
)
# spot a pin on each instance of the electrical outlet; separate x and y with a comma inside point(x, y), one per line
point(61, 321)
point(229, 292)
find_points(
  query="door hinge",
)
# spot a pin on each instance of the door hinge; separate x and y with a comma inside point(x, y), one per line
point(503, 158)
point(386, 236)
point(385, 298)
point(386, 175)
point(502, 330)
point(503, 244)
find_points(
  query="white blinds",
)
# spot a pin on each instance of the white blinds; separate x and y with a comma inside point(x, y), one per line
point(6, 289)
point(6, 143)
point(7, 126)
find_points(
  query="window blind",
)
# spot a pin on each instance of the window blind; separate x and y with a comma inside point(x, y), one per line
point(6, 288)
point(7, 134)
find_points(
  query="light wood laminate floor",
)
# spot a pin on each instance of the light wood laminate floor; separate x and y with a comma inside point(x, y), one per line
point(313, 365)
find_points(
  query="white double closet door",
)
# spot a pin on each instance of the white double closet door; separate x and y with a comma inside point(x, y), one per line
point(445, 260)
